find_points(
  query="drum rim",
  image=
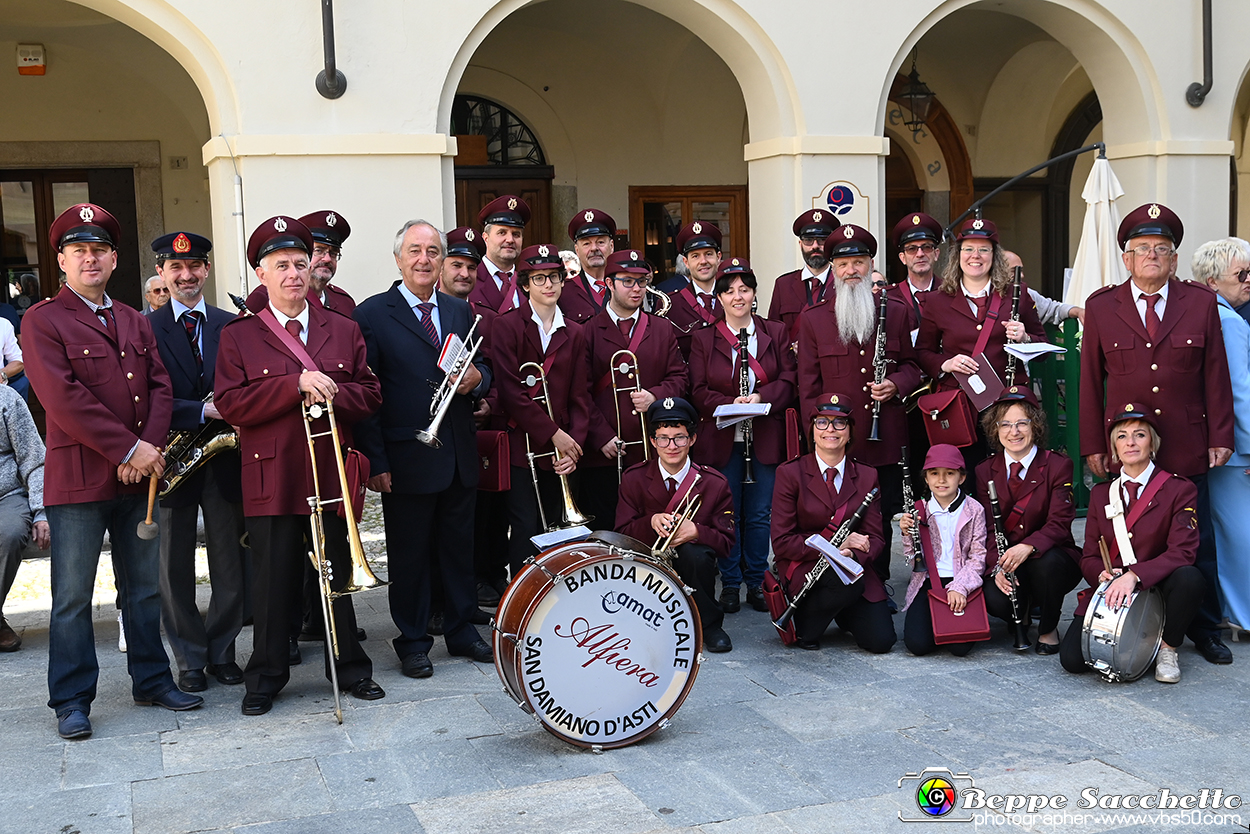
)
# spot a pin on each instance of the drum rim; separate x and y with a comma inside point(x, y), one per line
point(514, 657)
point(1151, 597)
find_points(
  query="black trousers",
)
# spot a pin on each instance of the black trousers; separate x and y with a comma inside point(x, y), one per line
point(280, 549)
point(1044, 580)
point(523, 516)
point(1182, 596)
point(1206, 621)
point(918, 634)
point(423, 531)
point(890, 481)
point(490, 538)
point(696, 565)
point(830, 601)
point(597, 494)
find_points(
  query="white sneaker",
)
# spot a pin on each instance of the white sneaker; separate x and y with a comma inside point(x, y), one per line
point(1167, 666)
point(121, 634)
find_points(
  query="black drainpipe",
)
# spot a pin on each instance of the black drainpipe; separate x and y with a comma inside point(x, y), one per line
point(331, 83)
point(1197, 93)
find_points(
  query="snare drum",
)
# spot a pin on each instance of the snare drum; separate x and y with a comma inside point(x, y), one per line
point(1121, 645)
point(602, 648)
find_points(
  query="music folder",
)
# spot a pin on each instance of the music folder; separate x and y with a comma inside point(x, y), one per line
point(983, 387)
point(731, 414)
point(844, 567)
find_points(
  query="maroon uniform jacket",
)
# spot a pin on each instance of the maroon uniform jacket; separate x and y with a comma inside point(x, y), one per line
point(802, 506)
point(486, 328)
point(949, 328)
point(485, 292)
point(659, 364)
point(792, 295)
point(643, 495)
point(684, 315)
point(577, 301)
point(1047, 500)
point(257, 389)
point(103, 393)
point(828, 364)
point(515, 341)
point(1182, 374)
point(915, 301)
point(1165, 537)
point(714, 382)
point(339, 300)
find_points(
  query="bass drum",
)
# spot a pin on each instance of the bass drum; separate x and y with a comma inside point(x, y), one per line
point(601, 647)
point(1121, 645)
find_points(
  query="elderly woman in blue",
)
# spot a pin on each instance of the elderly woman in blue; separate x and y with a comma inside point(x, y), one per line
point(1224, 265)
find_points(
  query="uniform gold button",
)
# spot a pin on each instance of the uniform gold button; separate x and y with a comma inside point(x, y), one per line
point(265, 371)
point(139, 425)
point(863, 370)
point(1157, 411)
point(130, 376)
point(86, 352)
point(1189, 341)
point(861, 353)
point(136, 398)
point(256, 456)
point(1130, 535)
point(1155, 389)
point(1149, 345)
point(1154, 367)
point(340, 365)
point(123, 354)
point(978, 327)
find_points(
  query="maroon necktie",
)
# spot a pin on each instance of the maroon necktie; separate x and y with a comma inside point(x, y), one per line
point(294, 328)
point(509, 291)
point(1015, 480)
point(708, 302)
point(427, 320)
point(831, 476)
point(106, 318)
point(1152, 318)
point(1131, 488)
point(191, 321)
point(671, 485)
point(627, 327)
point(982, 304)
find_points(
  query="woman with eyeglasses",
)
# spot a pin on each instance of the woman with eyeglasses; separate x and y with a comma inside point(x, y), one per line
point(815, 494)
point(975, 296)
point(554, 430)
point(1034, 488)
point(1224, 265)
point(716, 371)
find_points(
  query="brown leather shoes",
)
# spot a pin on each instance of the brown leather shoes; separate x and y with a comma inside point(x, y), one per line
point(9, 641)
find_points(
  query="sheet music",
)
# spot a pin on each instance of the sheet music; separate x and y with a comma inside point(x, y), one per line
point(1032, 350)
point(552, 538)
point(732, 414)
point(453, 351)
point(845, 568)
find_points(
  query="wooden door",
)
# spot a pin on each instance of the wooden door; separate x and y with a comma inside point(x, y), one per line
point(476, 187)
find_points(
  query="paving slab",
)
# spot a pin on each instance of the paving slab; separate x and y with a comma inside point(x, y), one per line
point(99, 810)
point(110, 761)
point(390, 818)
point(404, 774)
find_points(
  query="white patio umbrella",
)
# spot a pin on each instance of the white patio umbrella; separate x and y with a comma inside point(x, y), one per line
point(1098, 263)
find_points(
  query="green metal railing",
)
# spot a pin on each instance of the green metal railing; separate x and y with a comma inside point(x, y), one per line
point(1059, 377)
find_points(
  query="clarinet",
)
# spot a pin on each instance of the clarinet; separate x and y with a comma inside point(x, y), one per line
point(744, 390)
point(822, 564)
point(1019, 629)
point(909, 506)
point(1015, 316)
point(878, 366)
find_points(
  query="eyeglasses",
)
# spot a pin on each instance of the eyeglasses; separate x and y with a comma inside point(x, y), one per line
point(1019, 425)
point(974, 250)
point(926, 248)
point(1242, 275)
point(680, 442)
point(632, 283)
point(1162, 250)
point(838, 423)
point(540, 279)
point(327, 252)
point(812, 239)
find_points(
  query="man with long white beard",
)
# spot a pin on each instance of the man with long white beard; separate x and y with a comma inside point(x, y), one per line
point(837, 345)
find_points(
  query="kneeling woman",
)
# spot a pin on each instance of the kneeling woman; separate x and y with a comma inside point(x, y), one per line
point(956, 531)
point(1157, 545)
point(1034, 488)
point(816, 493)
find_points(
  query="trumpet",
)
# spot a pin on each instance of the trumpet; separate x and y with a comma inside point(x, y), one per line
point(362, 577)
point(570, 515)
point(663, 549)
point(660, 302)
point(447, 388)
point(628, 368)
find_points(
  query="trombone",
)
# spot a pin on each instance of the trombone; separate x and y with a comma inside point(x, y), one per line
point(570, 515)
point(663, 549)
point(628, 368)
point(447, 388)
point(362, 578)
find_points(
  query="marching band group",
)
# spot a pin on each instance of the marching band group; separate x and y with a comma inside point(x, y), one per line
point(493, 396)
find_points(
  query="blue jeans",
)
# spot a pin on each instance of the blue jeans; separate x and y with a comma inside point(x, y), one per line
point(748, 558)
point(77, 538)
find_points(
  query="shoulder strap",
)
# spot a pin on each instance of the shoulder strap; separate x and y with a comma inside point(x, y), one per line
point(991, 317)
point(293, 345)
point(761, 378)
point(926, 545)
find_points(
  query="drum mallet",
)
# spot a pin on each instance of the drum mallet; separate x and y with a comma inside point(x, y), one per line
point(1106, 557)
point(148, 528)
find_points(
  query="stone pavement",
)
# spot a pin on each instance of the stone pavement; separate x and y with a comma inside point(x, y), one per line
point(770, 740)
